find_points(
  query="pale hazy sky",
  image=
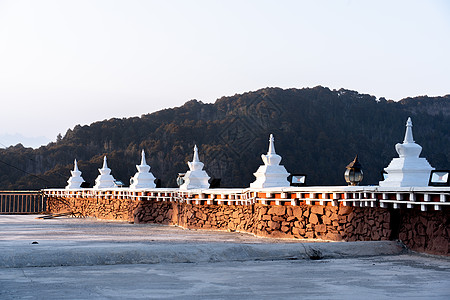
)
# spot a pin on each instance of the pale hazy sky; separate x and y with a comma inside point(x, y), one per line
point(64, 63)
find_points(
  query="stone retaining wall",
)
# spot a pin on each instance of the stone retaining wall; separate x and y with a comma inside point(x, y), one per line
point(109, 209)
point(421, 231)
point(304, 221)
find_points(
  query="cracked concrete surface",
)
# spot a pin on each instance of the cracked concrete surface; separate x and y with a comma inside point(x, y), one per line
point(86, 258)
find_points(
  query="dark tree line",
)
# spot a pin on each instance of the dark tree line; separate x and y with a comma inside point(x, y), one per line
point(317, 131)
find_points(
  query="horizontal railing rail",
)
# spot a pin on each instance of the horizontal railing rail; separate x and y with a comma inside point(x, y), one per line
point(22, 202)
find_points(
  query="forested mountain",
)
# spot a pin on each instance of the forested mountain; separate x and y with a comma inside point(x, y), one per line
point(317, 132)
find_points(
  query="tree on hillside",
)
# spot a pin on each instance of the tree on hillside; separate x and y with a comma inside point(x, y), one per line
point(318, 131)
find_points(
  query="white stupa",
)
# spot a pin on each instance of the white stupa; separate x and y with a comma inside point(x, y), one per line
point(196, 177)
point(143, 179)
point(75, 180)
point(105, 179)
point(271, 174)
point(409, 169)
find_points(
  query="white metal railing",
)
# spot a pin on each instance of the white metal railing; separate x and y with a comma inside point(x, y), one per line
point(22, 202)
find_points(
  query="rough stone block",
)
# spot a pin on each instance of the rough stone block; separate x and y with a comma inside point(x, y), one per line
point(262, 210)
point(278, 218)
point(317, 209)
point(352, 238)
point(309, 235)
point(375, 236)
point(266, 218)
point(289, 211)
point(423, 220)
point(439, 245)
point(136, 219)
point(313, 219)
point(296, 231)
point(306, 212)
point(277, 210)
point(431, 225)
point(285, 229)
point(279, 235)
point(297, 211)
point(420, 229)
point(326, 219)
point(420, 241)
point(333, 236)
point(440, 230)
point(345, 210)
point(321, 228)
point(273, 225)
point(334, 217)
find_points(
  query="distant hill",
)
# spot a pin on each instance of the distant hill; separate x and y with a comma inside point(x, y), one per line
point(13, 139)
point(317, 131)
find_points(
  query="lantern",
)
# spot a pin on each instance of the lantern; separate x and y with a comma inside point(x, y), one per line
point(353, 175)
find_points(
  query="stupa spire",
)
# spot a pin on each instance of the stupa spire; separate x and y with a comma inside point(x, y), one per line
point(195, 158)
point(408, 134)
point(271, 145)
point(75, 166)
point(105, 164)
point(143, 162)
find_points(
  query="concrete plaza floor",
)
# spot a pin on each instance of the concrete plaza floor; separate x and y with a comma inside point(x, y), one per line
point(90, 259)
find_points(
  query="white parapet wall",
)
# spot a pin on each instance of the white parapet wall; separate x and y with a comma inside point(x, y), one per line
point(427, 198)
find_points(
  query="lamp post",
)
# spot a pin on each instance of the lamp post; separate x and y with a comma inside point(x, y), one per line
point(353, 175)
